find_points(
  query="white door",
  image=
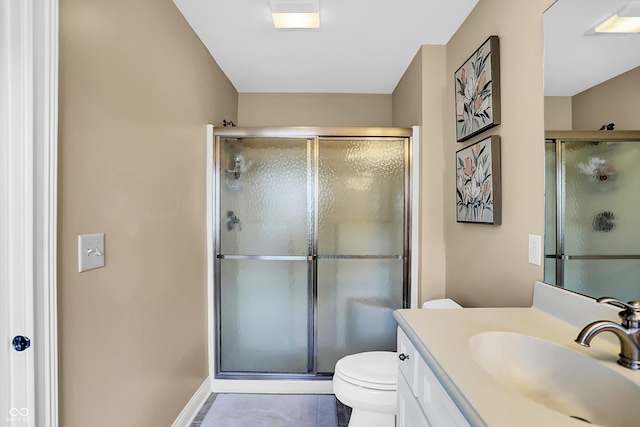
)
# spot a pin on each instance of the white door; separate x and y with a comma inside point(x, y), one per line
point(28, 90)
point(16, 220)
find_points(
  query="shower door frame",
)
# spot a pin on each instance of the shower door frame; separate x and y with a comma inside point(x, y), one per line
point(558, 138)
point(314, 134)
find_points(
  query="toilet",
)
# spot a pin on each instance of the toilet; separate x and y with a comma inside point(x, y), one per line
point(367, 382)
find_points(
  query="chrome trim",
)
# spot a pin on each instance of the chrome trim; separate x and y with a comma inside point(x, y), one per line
point(217, 265)
point(314, 249)
point(560, 196)
point(313, 135)
point(310, 132)
point(408, 164)
point(598, 257)
point(360, 257)
point(265, 257)
point(235, 375)
point(593, 135)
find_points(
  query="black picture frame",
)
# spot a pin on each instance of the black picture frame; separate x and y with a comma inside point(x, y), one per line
point(477, 94)
point(478, 182)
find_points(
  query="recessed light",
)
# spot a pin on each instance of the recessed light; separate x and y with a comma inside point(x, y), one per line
point(295, 14)
point(624, 21)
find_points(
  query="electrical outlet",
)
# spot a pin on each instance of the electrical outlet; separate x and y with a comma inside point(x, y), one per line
point(535, 249)
point(90, 251)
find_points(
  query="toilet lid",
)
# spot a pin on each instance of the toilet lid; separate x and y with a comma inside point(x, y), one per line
point(375, 369)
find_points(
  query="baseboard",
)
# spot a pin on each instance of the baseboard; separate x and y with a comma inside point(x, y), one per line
point(192, 408)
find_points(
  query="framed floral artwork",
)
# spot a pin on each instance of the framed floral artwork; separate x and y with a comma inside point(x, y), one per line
point(478, 191)
point(477, 84)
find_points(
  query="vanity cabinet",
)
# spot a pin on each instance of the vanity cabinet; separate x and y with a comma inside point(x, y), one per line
point(422, 401)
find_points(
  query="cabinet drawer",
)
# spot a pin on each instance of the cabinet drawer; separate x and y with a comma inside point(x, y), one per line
point(435, 401)
point(407, 367)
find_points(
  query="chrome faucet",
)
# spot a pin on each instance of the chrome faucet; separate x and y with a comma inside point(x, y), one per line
point(628, 332)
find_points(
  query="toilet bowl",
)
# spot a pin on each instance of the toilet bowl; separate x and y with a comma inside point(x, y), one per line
point(367, 382)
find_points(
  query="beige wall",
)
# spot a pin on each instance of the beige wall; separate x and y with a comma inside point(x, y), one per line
point(557, 113)
point(419, 99)
point(137, 88)
point(614, 101)
point(313, 109)
point(433, 171)
point(406, 99)
point(486, 265)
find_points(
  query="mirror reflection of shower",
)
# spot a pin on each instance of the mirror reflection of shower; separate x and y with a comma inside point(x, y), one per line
point(592, 233)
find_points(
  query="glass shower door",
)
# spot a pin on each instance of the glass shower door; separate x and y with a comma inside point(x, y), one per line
point(361, 190)
point(264, 243)
point(312, 251)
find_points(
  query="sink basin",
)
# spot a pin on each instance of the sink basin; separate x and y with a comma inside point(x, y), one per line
point(559, 378)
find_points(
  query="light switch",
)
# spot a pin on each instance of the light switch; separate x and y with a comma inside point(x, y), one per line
point(90, 251)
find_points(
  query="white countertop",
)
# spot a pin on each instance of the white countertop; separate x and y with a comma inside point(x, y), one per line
point(442, 338)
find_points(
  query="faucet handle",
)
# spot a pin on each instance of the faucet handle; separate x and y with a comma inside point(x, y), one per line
point(631, 305)
point(630, 315)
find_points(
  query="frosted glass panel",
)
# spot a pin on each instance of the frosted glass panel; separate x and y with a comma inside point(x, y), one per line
point(361, 197)
point(550, 197)
point(356, 300)
point(600, 198)
point(270, 319)
point(618, 278)
point(264, 199)
point(264, 316)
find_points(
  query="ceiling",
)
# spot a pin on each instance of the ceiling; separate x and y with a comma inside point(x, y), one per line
point(364, 46)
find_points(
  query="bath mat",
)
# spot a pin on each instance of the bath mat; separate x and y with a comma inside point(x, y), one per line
point(272, 410)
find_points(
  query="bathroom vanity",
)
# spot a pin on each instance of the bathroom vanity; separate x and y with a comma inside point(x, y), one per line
point(420, 393)
point(505, 367)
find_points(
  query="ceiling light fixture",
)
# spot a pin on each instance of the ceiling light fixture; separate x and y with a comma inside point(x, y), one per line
point(624, 21)
point(295, 14)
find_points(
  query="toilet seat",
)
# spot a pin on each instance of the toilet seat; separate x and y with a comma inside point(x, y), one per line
point(377, 370)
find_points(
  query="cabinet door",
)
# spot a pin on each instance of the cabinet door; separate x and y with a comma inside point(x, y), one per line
point(409, 413)
point(408, 361)
point(435, 401)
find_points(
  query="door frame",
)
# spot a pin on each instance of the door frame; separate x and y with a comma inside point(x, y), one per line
point(293, 386)
point(31, 106)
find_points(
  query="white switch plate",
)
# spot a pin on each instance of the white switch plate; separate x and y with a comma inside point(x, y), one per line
point(535, 249)
point(90, 251)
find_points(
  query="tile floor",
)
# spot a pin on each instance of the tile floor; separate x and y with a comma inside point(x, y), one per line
point(343, 412)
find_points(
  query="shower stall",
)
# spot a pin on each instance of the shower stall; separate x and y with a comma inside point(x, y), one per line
point(311, 247)
point(592, 230)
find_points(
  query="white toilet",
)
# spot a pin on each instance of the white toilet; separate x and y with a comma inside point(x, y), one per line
point(367, 382)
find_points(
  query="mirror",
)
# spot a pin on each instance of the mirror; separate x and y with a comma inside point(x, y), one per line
point(591, 82)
